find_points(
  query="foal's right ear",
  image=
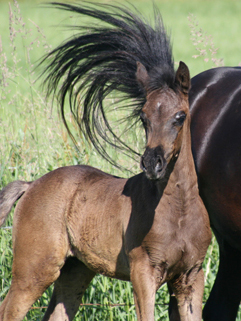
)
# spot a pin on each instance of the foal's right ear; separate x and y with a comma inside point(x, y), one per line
point(142, 75)
point(183, 77)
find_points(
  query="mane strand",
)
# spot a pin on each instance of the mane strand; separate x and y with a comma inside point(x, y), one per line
point(101, 59)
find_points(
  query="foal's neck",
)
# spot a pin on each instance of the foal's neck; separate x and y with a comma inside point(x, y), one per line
point(182, 171)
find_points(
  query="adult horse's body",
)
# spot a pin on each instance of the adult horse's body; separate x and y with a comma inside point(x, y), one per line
point(77, 221)
point(215, 103)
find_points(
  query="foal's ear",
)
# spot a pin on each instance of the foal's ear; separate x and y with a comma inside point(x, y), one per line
point(183, 77)
point(142, 75)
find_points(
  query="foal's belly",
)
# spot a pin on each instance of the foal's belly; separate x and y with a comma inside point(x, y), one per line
point(101, 249)
point(100, 260)
point(96, 225)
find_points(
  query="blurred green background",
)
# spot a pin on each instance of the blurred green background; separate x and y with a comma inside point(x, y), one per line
point(219, 19)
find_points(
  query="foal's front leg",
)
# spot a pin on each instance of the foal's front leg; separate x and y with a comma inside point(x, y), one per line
point(187, 303)
point(144, 287)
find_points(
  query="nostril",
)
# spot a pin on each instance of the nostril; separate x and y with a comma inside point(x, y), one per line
point(142, 164)
point(159, 165)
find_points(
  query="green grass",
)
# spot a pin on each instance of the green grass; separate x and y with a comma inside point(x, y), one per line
point(33, 140)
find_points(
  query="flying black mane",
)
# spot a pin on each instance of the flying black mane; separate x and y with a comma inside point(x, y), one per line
point(103, 58)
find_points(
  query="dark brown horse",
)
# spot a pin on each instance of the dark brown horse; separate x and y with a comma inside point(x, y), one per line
point(215, 103)
point(77, 221)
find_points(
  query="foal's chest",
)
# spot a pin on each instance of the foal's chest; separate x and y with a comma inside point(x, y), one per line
point(178, 239)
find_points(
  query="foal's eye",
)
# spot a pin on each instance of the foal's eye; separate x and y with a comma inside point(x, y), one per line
point(179, 118)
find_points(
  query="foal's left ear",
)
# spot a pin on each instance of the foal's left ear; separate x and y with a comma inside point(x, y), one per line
point(142, 75)
point(183, 77)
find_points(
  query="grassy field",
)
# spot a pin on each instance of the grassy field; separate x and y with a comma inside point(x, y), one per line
point(33, 140)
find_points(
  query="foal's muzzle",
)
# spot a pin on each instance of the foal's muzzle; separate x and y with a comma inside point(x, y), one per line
point(153, 163)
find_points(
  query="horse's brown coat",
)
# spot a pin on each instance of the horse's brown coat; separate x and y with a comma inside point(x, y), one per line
point(150, 229)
